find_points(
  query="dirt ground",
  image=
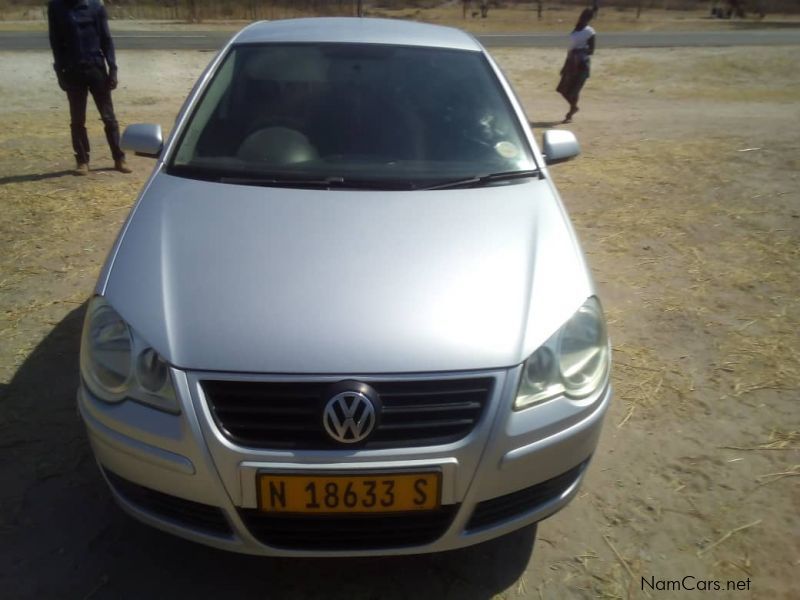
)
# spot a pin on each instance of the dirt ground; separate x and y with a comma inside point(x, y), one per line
point(687, 202)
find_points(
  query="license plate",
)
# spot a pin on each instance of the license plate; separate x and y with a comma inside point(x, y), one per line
point(395, 492)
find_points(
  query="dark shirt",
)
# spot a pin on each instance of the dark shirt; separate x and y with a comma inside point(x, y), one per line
point(79, 35)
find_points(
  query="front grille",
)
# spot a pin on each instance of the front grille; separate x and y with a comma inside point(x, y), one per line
point(187, 513)
point(502, 508)
point(355, 532)
point(288, 415)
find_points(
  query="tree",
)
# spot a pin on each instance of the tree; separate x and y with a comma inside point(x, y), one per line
point(737, 8)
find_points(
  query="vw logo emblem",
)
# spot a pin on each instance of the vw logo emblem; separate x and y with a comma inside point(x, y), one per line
point(349, 417)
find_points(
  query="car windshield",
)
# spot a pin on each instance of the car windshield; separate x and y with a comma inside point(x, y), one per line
point(389, 117)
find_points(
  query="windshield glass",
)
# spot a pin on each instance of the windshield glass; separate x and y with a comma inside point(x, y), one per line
point(394, 116)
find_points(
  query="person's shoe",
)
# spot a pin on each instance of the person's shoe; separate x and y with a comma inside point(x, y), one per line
point(570, 114)
point(82, 169)
point(122, 166)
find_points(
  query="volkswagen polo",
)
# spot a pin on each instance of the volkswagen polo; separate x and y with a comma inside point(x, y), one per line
point(348, 313)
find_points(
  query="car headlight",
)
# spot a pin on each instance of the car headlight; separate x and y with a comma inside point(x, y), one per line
point(117, 365)
point(574, 362)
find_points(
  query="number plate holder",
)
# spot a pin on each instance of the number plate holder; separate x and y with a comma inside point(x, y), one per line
point(387, 492)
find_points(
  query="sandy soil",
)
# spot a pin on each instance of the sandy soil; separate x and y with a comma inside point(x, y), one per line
point(686, 200)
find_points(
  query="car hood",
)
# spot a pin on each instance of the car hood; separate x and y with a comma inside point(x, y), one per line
point(273, 280)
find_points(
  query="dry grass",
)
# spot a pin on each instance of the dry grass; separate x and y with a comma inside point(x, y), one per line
point(721, 74)
point(778, 440)
point(54, 233)
point(736, 272)
point(694, 245)
point(704, 249)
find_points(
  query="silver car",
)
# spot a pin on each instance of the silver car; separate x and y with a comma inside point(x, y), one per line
point(348, 314)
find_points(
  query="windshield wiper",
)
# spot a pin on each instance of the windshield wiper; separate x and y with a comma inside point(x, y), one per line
point(324, 183)
point(283, 181)
point(478, 180)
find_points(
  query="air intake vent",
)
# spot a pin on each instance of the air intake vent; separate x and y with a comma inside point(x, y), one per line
point(495, 511)
point(356, 532)
point(186, 513)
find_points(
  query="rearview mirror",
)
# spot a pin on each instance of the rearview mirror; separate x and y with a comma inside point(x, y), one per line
point(559, 145)
point(143, 139)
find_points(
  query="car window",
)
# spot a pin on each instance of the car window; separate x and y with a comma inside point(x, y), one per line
point(355, 111)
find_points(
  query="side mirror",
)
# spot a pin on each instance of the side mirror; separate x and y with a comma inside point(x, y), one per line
point(143, 139)
point(559, 145)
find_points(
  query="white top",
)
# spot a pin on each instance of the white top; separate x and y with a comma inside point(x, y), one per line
point(580, 39)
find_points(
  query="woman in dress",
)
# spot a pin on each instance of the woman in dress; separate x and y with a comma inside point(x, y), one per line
point(575, 71)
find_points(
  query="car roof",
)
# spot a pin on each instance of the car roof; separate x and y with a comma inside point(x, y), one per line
point(357, 30)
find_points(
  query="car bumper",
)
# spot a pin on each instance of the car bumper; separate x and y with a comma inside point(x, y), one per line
point(181, 474)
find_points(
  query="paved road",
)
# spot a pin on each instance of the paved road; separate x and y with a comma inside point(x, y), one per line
point(661, 39)
point(213, 40)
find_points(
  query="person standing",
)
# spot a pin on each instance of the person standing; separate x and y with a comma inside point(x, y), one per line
point(85, 63)
point(576, 67)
